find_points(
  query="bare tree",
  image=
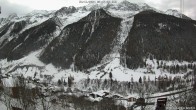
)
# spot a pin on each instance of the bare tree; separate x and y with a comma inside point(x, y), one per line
point(23, 94)
point(44, 98)
point(5, 96)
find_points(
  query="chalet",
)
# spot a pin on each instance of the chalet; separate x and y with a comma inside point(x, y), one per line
point(106, 94)
point(16, 108)
point(140, 101)
point(94, 95)
point(161, 103)
point(131, 99)
point(116, 97)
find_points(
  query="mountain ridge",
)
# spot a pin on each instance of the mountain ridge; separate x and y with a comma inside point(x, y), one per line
point(76, 42)
point(65, 27)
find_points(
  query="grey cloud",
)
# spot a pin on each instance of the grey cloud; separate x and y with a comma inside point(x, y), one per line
point(189, 6)
point(7, 8)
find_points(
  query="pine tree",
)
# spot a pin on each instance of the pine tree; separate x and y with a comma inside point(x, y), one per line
point(129, 85)
point(110, 75)
point(111, 81)
point(149, 79)
point(140, 80)
point(64, 83)
point(59, 82)
point(144, 78)
point(177, 68)
point(70, 81)
point(88, 80)
point(194, 86)
point(132, 79)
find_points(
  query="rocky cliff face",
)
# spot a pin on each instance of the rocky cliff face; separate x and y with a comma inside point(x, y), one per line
point(83, 43)
point(17, 27)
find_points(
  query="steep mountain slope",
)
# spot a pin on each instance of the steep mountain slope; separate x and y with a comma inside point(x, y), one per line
point(17, 27)
point(83, 43)
point(13, 25)
point(2, 20)
point(30, 40)
point(4, 29)
point(162, 37)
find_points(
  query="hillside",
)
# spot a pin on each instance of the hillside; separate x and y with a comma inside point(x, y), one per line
point(83, 43)
point(162, 37)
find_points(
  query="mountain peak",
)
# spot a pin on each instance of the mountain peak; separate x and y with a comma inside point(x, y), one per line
point(65, 10)
point(38, 13)
point(176, 13)
point(12, 16)
point(125, 2)
point(97, 14)
point(125, 5)
point(173, 12)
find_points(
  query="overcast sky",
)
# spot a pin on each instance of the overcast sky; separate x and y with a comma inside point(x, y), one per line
point(24, 6)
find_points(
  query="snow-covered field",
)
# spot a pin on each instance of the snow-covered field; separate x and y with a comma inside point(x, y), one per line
point(30, 65)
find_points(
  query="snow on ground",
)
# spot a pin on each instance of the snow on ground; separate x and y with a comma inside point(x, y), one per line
point(101, 92)
point(31, 59)
point(8, 82)
point(123, 14)
point(124, 74)
point(2, 106)
point(67, 73)
point(170, 92)
point(119, 73)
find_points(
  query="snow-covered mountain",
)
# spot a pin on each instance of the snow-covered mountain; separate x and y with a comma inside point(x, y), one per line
point(97, 39)
point(122, 6)
point(176, 13)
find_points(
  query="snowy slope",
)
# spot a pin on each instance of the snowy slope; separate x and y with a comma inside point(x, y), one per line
point(176, 13)
point(173, 13)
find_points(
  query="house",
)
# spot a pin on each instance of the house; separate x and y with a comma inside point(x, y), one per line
point(106, 94)
point(140, 101)
point(16, 108)
point(131, 99)
point(161, 103)
point(94, 95)
point(117, 97)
